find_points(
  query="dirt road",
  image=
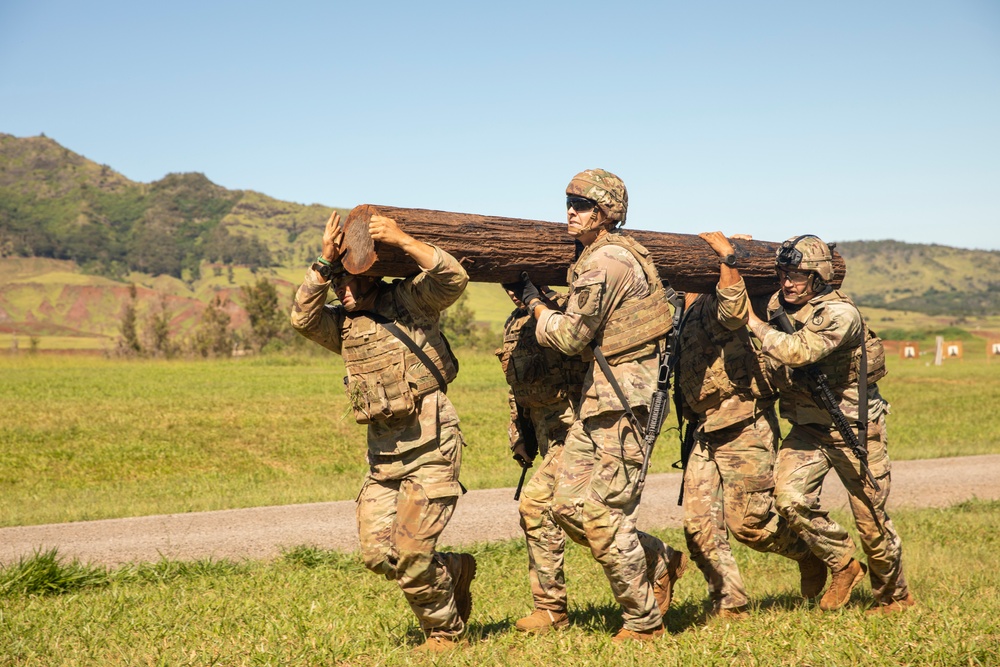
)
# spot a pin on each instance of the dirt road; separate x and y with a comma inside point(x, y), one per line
point(262, 533)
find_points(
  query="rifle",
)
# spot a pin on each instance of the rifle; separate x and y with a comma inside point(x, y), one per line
point(527, 430)
point(659, 405)
point(819, 386)
point(687, 444)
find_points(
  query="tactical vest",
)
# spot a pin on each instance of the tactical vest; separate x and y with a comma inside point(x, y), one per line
point(384, 378)
point(538, 376)
point(637, 321)
point(716, 363)
point(841, 367)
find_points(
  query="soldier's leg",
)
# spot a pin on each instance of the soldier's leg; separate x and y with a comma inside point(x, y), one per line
point(545, 539)
point(609, 512)
point(801, 467)
point(883, 549)
point(572, 481)
point(376, 515)
point(705, 528)
point(427, 499)
point(745, 457)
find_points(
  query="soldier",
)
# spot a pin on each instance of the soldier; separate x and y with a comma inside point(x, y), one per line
point(729, 471)
point(543, 385)
point(398, 366)
point(616, 301)
point(830, 336)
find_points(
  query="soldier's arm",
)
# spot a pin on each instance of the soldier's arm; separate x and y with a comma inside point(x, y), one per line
point(831, 326)
point(310, 316)
point(600, 288)
point(733, 305)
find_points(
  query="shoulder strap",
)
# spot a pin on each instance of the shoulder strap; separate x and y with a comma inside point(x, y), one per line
point(394, 329)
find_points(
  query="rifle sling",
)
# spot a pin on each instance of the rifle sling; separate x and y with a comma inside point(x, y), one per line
point(602, 361)
point(394, 329)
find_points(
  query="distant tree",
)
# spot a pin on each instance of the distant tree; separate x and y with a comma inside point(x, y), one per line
point(266, 318)
point(157, 332)
point(213, 338)
point(459, 325)
point(128, 344)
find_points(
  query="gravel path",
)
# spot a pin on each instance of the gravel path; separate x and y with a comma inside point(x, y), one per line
point(262, 532)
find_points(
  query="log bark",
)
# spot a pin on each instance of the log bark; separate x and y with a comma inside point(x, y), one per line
point(495, 249)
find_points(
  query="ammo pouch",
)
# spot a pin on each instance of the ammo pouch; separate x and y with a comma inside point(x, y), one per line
point(387, 372)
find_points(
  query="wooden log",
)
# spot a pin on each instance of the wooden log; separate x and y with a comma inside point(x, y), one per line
point(494, 249)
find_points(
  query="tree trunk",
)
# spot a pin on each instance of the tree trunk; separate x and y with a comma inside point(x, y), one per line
point(496, 250)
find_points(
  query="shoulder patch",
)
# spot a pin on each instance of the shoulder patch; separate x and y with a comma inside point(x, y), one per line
point(586, 293)
point(820, 320)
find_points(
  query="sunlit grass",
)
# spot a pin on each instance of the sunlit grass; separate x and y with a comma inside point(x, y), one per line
point(316, 607)
point(88, 437)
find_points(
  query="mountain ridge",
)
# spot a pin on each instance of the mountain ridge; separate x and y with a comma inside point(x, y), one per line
point(75, 234)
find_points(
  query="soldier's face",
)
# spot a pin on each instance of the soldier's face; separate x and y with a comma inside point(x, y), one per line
point(796, 286)
point(583, 222)
point(354, 293)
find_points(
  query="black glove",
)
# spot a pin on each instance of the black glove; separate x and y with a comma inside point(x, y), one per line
point(529, 292)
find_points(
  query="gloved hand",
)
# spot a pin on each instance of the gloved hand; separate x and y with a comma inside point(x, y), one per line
point(523, 292)
point(529, 292)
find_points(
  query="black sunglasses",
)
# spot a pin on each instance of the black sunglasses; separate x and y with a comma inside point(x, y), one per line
point(580, 204)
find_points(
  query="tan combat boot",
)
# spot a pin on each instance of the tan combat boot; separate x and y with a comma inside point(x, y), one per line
point(461, 581)
point(625, 635)
point(436, 644)
point(844, 581)
point(812, 576)
point(893, 607)
point(728, 613)
point(541, 621)
point(663, 588)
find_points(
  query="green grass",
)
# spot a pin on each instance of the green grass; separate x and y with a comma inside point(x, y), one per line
point(85, 437)
point(316, 607)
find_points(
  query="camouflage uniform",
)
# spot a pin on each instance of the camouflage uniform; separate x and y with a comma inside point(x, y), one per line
point(597, 491)
point(829, 334)
point(541, 380)
point(414, 441)
point(729, 477)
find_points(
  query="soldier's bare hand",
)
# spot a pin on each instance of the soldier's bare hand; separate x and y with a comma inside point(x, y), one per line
point(741, 237)
point(385, 230)
point(720, 244)
point(521, 455)
point(333, 238)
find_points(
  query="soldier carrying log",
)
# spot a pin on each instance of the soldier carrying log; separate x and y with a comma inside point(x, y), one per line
point(616, 301)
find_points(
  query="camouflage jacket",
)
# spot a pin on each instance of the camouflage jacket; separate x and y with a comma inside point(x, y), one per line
point(601, 282)
point(720, 375)
point(423, 297)
point(828, 334)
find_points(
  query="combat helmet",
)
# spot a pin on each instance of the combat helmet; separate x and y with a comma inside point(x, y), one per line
point(604, 188)
point(807, 252)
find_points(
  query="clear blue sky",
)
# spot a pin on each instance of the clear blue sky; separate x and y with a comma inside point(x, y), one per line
point(848, 119)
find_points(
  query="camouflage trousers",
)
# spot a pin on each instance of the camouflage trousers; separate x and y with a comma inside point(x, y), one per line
point(596, 501)
point(405, 503)
point(728, 486)
point(805, 458)
point(545, 539)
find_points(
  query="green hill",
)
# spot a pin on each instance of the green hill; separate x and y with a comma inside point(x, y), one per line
point(75, 234)
point(931, 279)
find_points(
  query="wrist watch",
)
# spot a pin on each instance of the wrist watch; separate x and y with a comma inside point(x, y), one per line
point(728, 260)
point(325, 268)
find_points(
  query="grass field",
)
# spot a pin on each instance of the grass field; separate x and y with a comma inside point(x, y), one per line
point(321, 608)
point(85, 437)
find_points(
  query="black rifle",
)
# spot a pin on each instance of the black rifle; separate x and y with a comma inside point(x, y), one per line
point(527, 430)
point(819, 386)
point(687, 445)
point(659, 405)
